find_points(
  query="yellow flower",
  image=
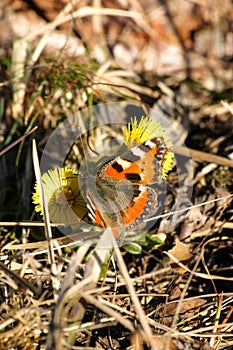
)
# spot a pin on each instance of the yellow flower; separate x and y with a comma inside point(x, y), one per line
point(148, 129)
point(61, 190)
point(167, 166)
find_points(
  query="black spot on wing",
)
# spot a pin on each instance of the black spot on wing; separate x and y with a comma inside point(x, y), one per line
point(117, 167)
point(130, 157)
point(144, 148)
point(133, 177)
point(136, 191)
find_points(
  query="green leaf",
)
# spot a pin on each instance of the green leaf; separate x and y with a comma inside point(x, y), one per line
point(155, 239)
point(133, 248)
point(5, 61)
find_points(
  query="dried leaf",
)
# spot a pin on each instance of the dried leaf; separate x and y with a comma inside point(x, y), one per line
point(188, 307)
point(181, 253)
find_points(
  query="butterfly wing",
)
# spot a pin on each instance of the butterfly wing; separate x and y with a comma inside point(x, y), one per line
point(126, 205)
point(142, 164)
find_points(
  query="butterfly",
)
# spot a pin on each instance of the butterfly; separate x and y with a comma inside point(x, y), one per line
point(121, 189)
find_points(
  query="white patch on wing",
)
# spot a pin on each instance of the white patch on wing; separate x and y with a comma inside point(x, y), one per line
point(149, 143)
point(124, 163)
point(138, 152)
